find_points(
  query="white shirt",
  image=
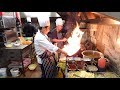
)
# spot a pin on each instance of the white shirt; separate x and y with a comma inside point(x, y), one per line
point(42, 44)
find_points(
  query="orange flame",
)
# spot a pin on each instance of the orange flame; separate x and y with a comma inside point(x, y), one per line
point(73, 42)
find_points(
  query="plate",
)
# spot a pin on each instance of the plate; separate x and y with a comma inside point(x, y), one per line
point(32, 66)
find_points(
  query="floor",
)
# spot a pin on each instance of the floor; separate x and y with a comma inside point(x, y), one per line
point(32, 74)
point(36, 73)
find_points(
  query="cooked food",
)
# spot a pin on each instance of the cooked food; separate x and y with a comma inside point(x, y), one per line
point(79, 62)
point(72, 67)
point(99, 76)
point(71, 62)
point(70, 74)
point(8, 45)
point(24, 42)
point(110, 75)
point(62, 65)
point(62, 59)
point(80, 67)
point(91, 54)
point(85, 74)
point(91, 68)
point(80, 74)
point(32, 66)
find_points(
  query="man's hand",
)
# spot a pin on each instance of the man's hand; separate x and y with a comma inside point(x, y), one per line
point(64, 39)
point(60, 50)
point(82, 48)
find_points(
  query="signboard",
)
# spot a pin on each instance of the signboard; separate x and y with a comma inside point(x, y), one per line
point(12, 14)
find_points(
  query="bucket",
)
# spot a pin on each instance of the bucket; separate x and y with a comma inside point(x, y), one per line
point(15, 72)
point(3, 73)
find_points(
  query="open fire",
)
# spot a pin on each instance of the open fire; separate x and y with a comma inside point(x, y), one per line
point(74, 40)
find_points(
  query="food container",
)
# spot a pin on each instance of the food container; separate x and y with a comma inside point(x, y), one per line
point(3, 73)
point(91, 68)
point(75, 63)
point(70, 58)
point(103, 62)
point(72, 67)
point(8, 44)
point(80, 64)
point(16, 44)
point(15, 72)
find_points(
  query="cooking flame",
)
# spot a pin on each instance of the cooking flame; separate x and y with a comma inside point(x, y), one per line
point(73, 41)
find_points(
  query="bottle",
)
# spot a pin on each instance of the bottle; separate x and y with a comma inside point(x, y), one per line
point(101, 64)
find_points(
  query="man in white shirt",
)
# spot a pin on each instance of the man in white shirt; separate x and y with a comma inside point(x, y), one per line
point(45, 49)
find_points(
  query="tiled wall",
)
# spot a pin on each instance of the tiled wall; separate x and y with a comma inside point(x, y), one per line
point(107, 40)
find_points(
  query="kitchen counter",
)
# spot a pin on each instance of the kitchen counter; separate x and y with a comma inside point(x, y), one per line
point(82, 73)
point(85, 74)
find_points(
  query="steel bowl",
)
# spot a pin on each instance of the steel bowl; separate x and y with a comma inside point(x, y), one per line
point(88, 55)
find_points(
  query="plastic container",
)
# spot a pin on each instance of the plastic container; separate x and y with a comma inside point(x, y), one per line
point(102, 62)
point(8, 44)
point(15, 72)
point(3, 73)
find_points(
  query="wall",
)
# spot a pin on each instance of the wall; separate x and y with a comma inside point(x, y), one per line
point(114, 15)
point(108, 21)
point(107, 40)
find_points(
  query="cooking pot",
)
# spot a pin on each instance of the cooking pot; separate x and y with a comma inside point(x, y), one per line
point(88, 55)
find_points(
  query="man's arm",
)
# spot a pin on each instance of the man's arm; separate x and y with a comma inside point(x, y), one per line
point(50, 47)
point(59, 40)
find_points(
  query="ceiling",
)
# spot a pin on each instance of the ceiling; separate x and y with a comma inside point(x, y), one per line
point(38, 14)
point(85, 16)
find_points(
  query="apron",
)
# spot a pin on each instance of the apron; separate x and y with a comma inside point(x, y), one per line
point(49, 64)
point(60, 44)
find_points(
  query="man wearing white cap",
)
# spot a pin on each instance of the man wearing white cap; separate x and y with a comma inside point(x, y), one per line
point(45, 49)
point(56, 35)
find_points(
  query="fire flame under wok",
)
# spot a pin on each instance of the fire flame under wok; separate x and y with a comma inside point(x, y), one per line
point(74, 40)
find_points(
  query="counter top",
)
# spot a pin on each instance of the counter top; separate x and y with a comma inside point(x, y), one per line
point(83, 73)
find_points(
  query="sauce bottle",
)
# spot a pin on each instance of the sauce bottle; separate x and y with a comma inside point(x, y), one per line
point(101, 63)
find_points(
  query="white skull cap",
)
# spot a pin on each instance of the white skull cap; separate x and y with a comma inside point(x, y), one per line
point(59, 21)
point(28, 19)
point(44, 21)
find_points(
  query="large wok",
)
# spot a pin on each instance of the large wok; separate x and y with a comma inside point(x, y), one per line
point(88, 55)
